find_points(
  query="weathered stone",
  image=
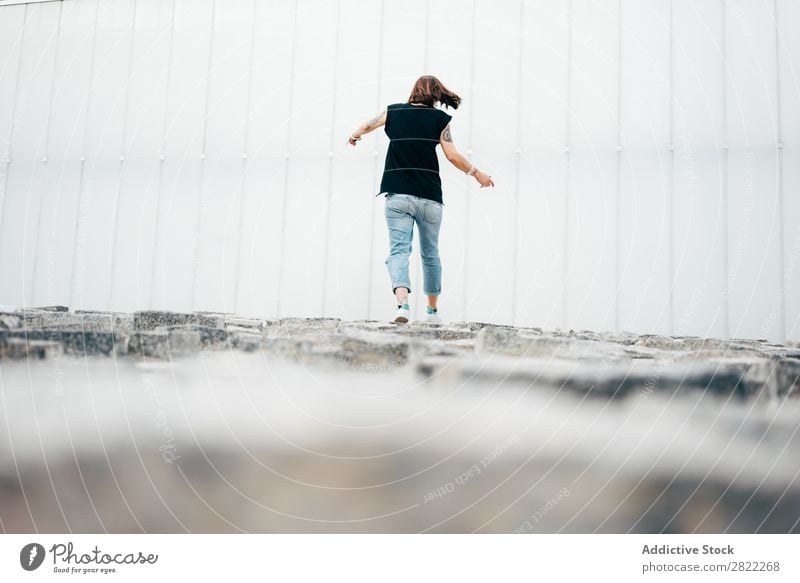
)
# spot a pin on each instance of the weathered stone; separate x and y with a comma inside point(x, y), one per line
point(211, 319)
point(492, 339)
point(212, 337)
point(86, 321)
point(166, 343)
point(119, 322)
point(787, 377)
point(475, 326)
point(465, 345)
point(508, 341)
point(20, 348)
point(292, 326)
point(531, 331)
point(247, 341)
point(609, 380)
point(150, 320)
point(75, 342)
point(375, 347)
point(239, 323)
point(281, 346)
point(10, 322)
point(449, 333)
point(374, 325)
point(53, 308)
point(599, 362)
point(415, 331)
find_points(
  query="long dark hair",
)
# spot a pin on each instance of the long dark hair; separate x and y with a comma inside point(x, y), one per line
point(429, 90)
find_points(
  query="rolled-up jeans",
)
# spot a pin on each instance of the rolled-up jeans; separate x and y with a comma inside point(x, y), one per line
point(402, 211)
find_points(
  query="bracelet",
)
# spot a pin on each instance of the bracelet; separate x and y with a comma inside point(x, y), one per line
point(354, 138)
point(472, 171)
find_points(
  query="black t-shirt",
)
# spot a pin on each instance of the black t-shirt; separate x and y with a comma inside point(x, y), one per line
point(411, 164)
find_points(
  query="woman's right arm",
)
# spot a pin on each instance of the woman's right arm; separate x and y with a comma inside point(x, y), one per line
point(459, 161)
point(366, 127)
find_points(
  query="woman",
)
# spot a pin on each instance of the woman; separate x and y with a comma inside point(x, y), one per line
point(413, 187)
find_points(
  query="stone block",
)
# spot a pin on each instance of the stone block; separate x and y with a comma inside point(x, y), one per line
point(246, 341)
point(10, 322)
point(240, 323)
point(378, 348)
point(166, 343)
point(510, 342)
point(212, 337)
point(20, 348)
point(609, 380)
point(73, 342)
point(150, 319)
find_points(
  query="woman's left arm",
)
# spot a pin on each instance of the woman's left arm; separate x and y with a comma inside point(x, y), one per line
point(367, 127)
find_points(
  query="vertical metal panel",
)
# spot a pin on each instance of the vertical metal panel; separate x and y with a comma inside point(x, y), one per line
point(492, 214)
point(467, 239)
point(248, 110)
point(543, 94)
point(138, 196)
point(788, 45)
point(204, 185)
point(218, 236)
point(327, 230)
point(12, 28)
point(180, 180)
point(755, 222)
point(19, 214)
point(307, 189)
point(645, 275)
point(778, 311)
point(699, 245)
point(519, 225)
point(261, 244)
point(61, 187)
point(353, 172)
point(39, 201)
point(103, 148)
point(592, 216)
point(115, 220)
point(377, 164)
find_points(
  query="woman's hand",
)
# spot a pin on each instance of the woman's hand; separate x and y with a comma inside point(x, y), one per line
point(353, 140)
point(484, 179)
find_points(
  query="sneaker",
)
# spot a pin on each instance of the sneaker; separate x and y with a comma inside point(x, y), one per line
point(402, 315)
point(432, 316)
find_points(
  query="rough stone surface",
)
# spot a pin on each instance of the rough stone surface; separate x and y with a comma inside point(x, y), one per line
point(215, 422)
point(596, 362)
point(21, 348)
point(72, 341)
point(166, 344)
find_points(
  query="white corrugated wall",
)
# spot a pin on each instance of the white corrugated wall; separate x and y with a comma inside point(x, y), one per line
point(190, 155)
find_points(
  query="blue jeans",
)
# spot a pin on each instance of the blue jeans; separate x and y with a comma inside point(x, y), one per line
point(402, 211)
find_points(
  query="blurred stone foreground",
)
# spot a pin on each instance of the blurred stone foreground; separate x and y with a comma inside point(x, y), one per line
point(167, 422)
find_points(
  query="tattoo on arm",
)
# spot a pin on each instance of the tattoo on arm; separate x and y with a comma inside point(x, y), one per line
point(373, 122)
point(446, 136)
